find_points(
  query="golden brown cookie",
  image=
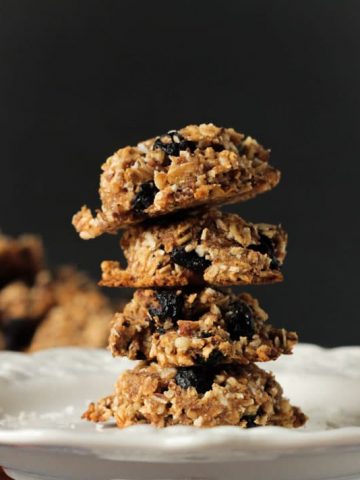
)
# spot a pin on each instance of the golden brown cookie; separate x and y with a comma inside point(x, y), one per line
point(22, 308)
point(245, 396)
point(83, 320)
point(25, 292)
point(204, 247)
point(196, 327)
point(80, 316)
point(197, 165)
point(65, 308)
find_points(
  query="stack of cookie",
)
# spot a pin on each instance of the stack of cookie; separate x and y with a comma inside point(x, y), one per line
point(197, 340)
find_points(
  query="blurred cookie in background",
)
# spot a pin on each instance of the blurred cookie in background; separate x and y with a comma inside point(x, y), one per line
point(81, 314)
point(22, 308)
point(42, 309)
point(25, 289)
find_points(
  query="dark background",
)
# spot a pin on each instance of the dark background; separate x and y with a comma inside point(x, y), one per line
point(81, 78)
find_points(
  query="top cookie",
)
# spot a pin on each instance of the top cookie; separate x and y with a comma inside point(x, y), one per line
point(197, 165)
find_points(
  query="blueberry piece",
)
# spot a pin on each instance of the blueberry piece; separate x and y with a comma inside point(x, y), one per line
point(266, 247)
point(155, 329)
point(172, 143)
point(152, 325)
point(171, 305)
point(218, 147)
point(239, 321)
point(190, 260)
point(168, 148)
point(144, 197)
point(215, 358)
point(250, 421)
point(197, 377)
point(18, 333)
point(206, 334)
point(140, 355)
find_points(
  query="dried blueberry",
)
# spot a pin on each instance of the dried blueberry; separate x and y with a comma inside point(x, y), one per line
point(160, 330)
point(144, 197)
point(171, 305)
point(152, 326)
point(250, 421)
point(172, 143)
point(266, 247)
point(218, 147)
point(140, 355)
point(239, 321)
point(18, 333)
point(198, 377)
point(205, 334)
point(215, 358)
point(190, 260)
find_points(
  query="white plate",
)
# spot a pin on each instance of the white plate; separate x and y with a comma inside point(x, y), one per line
point(42, 437)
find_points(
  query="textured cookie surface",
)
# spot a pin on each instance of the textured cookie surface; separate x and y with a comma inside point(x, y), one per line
point(204, 397)
point(197, 165)
point(206, 247)
point(196, 327)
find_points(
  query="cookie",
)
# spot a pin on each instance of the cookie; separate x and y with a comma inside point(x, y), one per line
point(245, 396)
point(196, 327)
point(22, 308)
point(80, 317)
point(24, 289)
point(19, 300)
point(82, 321)
point(20, 258)
point(197, 165)
point(64, 308)
point(206, 247)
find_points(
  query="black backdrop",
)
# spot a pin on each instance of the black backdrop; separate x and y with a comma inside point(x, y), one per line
point(81, 78)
